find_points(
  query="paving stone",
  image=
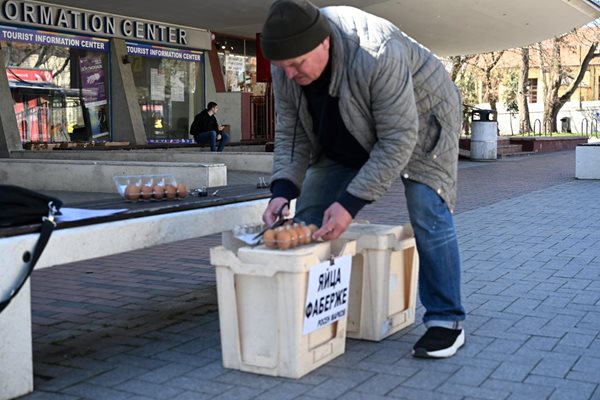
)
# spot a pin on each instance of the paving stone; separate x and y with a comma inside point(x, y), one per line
point(564, 388)
point(332, 388)
point(150, 390)
point(285, 391)
point(192, 396)
point(96, 392)
point(475, 392)
point(512, 372)
point(555, 365)
point(165, 373)
point(427, 379)
point(403, 392)
point(238, 393)
point(117, 375)
point(533, 390)
point(379, 384)
point(470, 375)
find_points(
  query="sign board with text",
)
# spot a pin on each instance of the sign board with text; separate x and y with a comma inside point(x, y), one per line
point(327, 293)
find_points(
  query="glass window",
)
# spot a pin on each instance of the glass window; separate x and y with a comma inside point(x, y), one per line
point(238, 64)
point(169, 85)
point(59, 84)
point(533, 89)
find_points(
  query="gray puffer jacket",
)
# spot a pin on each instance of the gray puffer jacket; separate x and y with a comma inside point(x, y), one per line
point(395, 98)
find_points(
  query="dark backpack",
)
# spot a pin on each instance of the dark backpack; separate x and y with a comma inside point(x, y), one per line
point(18, 207)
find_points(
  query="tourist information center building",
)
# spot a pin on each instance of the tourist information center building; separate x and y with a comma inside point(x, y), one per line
point(79, 75)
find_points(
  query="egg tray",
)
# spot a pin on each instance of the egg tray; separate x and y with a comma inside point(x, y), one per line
point(284, 237)
point(150, 187)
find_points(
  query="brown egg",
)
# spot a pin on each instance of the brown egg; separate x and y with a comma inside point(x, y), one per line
point(158, 192)
point(283, 239)
point(313, 228)
point(307, 234)
point(170, 192)
point(299, 234)
point(182, 190)
point(132, 192)
point(293, 237)
point(146, 192)
point(269, 238)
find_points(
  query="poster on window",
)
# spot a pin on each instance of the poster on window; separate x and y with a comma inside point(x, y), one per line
point(92, 79)
point(98, 120)
point(157, 85)
point(177, 88)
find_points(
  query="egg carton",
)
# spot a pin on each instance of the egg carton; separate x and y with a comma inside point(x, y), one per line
point(283, 237)
point(150, 187)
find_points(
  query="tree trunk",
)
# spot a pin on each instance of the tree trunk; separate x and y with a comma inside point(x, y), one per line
point(456, 67)
point(551, 92)
point(523, 93)
point(490, 86)
point(560, 102)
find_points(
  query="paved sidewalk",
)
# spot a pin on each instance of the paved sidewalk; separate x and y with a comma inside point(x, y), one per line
point(144, 324)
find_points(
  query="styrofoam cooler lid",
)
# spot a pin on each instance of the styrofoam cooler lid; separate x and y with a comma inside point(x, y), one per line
point(374, 236)
point(261, 260)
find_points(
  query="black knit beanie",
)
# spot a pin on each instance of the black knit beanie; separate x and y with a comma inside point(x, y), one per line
point(293, 28)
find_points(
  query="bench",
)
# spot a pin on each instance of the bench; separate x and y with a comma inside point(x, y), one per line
point(144, 224)
point(96, 175)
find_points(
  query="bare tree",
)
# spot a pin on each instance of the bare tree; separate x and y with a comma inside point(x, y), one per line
point(457, 65)
point(463, 78)
point(558, 104)
point(554, 73)
point(523, 93)
point(552, 76)
point(486, 64)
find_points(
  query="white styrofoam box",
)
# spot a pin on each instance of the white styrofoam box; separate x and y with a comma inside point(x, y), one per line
point(383, 283)
point(261, 295)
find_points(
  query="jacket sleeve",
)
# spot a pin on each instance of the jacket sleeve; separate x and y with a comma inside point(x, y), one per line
point(395, 120)
point(195, 127)
point(293, 147)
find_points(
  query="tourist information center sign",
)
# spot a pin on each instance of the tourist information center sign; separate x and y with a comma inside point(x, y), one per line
point(93, 23)
point(328, 293)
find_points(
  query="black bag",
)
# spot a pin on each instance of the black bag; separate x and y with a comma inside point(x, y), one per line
point(20, 206)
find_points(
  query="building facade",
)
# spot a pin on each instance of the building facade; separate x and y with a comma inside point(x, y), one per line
point(79, 75)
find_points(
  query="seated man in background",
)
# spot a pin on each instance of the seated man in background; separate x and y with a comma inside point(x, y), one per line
point(206, 129)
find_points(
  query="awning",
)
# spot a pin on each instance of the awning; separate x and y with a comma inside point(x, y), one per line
point(447, 27)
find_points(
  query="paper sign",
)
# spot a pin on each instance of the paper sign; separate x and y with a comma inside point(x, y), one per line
point(76, 214)
point(328, 293)
point(157, 85)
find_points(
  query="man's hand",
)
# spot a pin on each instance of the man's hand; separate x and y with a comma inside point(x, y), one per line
point(270, 215)
point(335, 222)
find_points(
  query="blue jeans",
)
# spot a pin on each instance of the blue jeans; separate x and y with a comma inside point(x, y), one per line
point(439, 259)
point(437, 245)
point(210, 137)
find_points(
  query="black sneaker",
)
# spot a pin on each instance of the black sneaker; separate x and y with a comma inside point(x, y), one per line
point(439, 342)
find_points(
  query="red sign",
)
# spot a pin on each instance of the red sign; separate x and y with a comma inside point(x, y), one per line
point(29, 75)
point(263, 66)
